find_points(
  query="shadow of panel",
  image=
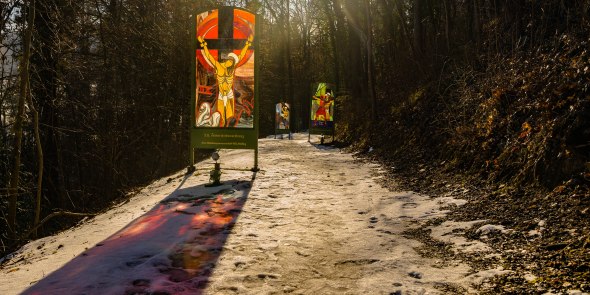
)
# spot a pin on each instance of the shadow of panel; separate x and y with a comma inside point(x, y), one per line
point(172, 249)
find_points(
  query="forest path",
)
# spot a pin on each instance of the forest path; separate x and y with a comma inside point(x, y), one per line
point(317, 222)
point(313, 221)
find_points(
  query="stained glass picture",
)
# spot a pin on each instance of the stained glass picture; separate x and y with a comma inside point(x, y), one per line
point(282, 117)
point(322, 106)
point(225, 69)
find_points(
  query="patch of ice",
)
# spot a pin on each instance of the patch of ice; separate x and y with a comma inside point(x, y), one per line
point(529, 277)
point(452, 232)
point(442, 201)
point(534, 232)
point(479, 277)
point(487, 229)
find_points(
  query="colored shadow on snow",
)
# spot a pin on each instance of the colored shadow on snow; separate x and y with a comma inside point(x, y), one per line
point(172, 249)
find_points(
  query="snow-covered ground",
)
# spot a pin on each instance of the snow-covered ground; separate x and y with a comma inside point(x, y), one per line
point(313, 220)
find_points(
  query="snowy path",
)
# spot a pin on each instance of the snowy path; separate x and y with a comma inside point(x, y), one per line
point(313, 221)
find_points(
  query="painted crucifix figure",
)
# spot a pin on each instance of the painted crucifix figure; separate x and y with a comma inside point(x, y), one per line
point(224, 71)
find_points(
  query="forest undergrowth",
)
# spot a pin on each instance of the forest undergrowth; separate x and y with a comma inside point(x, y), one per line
point(513, 137)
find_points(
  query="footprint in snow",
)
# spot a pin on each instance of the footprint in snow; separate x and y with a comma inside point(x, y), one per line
point(415, 274)
point(409, 205)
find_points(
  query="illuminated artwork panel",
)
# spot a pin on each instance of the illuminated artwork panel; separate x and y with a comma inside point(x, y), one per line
point(322, 106)
point(282, 118)
point(225, 69)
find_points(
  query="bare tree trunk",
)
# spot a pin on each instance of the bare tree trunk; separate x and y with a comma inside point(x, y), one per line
point(332, 28)
point(370, 62)
point(418, 28)
point(18, 125)
point(49, 25)
point(391, 31)
point(290, 97)
point(447, 7)
point(31, 20)
point(405, 30)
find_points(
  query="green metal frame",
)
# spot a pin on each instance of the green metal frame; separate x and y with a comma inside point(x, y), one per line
point(223, 138)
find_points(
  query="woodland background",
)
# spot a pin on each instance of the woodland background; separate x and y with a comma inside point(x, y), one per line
point(496, 90)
